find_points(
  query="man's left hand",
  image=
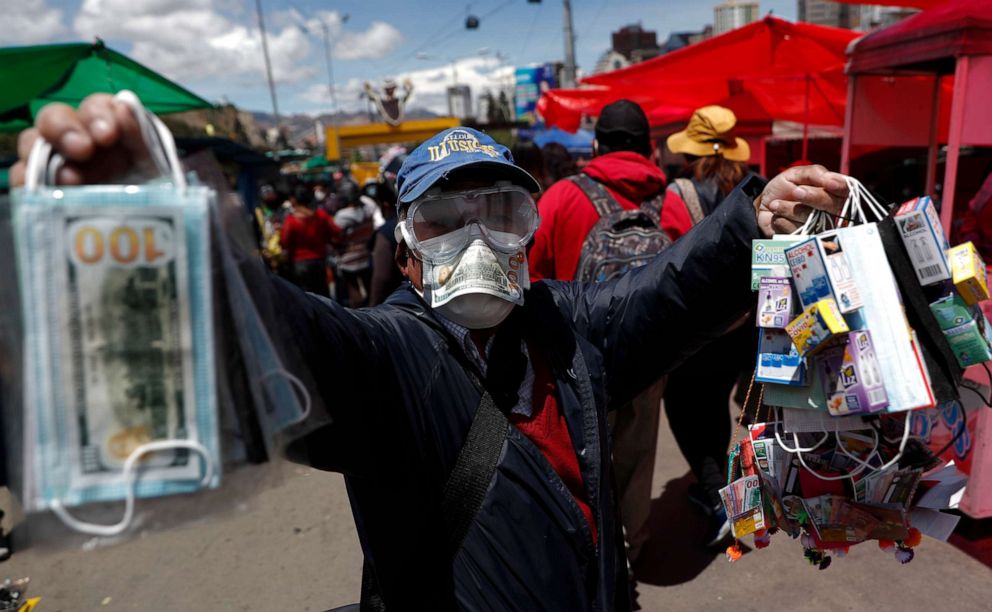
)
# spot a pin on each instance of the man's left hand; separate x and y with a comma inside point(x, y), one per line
point(790, 197)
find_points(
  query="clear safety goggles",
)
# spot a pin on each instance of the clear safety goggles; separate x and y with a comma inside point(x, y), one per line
point(439, 225)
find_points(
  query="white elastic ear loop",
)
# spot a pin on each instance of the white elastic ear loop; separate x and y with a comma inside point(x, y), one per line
point(902, 446)
point(798, 452)
point(35, 167)
point(298, 384)
point(855, 458)
point(43, 165)
point(129, 481)
point(153, 131)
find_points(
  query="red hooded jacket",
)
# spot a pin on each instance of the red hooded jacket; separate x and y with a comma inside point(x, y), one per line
point(567, 215)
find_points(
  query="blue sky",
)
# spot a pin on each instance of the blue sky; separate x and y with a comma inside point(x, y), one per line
point(212, 46)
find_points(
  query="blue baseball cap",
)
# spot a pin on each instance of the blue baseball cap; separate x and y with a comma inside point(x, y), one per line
point(457, 149)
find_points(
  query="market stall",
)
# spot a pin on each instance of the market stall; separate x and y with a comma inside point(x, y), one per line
point(924, 82)
point(36, 75)
point(780, 71)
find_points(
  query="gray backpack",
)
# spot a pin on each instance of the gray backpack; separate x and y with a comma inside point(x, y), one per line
point(622, 239)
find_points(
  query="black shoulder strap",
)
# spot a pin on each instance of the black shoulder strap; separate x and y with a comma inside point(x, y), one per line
point(467, 483)
point(469, 479)
point(601, 198)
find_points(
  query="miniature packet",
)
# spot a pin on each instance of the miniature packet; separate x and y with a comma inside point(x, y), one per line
point(817, 324)
point(820, 270)
point(971, 341)
point(951, 312)
point(921, 233)
point(851, 376)
point(742, 501)
point(968, 273)
point(779, 360)
point(774, 302)
point(768, 259)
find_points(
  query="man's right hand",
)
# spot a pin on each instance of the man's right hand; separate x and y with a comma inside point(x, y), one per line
point(101, 142)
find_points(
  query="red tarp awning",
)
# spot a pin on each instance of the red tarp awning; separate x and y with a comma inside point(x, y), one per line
point(952, 29)
point(768, 70)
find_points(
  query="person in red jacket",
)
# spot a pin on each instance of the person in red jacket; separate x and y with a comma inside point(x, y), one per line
point(305, 235)
point(622, 163)
point(629, 175)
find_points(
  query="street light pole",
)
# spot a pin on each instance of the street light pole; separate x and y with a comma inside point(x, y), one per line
point(268, 64)
point(568, 78)
point(330, 73)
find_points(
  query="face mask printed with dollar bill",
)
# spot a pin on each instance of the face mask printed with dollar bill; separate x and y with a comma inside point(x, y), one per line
point(120, 385)
point(477, 269)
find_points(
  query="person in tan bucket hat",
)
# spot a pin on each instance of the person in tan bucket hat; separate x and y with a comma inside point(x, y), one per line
point(710, 132)
point(696, 397)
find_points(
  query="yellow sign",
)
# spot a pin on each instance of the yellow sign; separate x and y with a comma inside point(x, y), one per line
point(349, 136)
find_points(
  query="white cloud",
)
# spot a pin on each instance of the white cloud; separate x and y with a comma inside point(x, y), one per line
point(196, 40)
point(430, 86)
point(190, 40)
point(379, 40)
point(30, 22)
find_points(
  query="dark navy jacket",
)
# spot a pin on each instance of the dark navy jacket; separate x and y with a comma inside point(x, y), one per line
point(402, 403)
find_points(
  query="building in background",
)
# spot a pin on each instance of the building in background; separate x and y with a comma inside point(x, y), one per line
point(460, 101)
point(864, 17)
point(826, 13)
point(635, 43)
point(874, 17)
point(610, 60)
point(732, 15)
point(678, 40)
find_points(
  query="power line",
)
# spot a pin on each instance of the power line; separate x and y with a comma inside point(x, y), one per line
point(530, 31)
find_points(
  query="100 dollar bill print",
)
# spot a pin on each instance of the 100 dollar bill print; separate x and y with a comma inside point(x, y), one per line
point(126, 311)
point(118, 344)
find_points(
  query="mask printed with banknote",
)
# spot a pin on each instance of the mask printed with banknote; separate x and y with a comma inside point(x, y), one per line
point(479, 287)
point(118, 347)
point(120, 396)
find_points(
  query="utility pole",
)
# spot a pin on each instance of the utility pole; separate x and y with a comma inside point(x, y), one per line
point(268, 64)
point(330, 73)
point(568, 78)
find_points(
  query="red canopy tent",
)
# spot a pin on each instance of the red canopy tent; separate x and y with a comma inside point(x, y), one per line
point(924, 81)
point(768, 70)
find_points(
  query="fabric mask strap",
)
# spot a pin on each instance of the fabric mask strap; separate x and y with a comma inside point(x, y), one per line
point(129, 483)
point(297, 384)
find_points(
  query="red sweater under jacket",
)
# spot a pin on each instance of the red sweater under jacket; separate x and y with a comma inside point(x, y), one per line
point(567, 215)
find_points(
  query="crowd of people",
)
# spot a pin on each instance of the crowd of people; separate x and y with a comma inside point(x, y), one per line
point(335, 238)
point(328, 237)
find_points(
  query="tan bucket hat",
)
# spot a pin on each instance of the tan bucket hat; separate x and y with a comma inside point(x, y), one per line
point(710, 132)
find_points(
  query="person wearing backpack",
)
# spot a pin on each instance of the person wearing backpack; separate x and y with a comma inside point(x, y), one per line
point(697, 393)
point(470, 425)
point(614, 216)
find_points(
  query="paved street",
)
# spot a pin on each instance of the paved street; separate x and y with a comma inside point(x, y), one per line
point(283, 539)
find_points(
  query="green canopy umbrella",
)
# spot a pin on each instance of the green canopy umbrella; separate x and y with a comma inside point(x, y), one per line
point(31, 77)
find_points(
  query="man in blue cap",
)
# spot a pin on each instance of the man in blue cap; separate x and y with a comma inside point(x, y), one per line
point(469, 410)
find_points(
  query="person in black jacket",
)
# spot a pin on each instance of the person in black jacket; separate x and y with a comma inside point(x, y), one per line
point(543, 533)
